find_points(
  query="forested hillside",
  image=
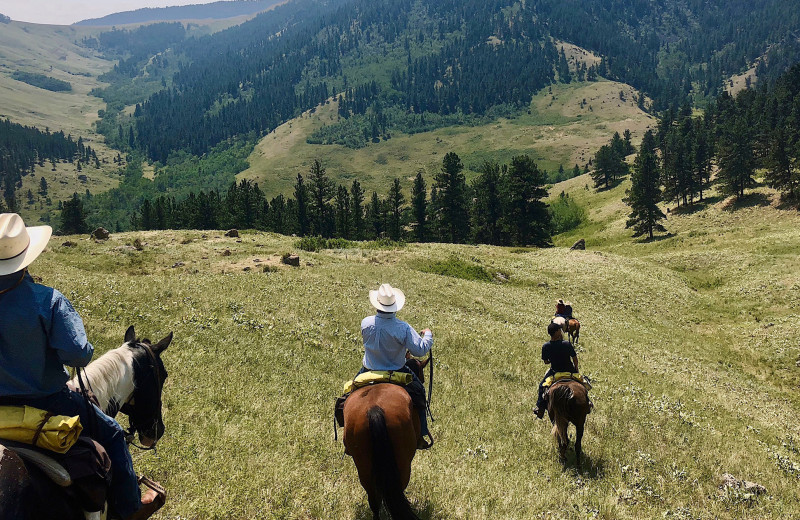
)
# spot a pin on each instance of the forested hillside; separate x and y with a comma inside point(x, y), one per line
point(401, 63)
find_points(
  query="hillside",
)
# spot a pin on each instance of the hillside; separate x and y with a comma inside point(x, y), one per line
point(210, 11)
point(564, 125)
point(692, 341)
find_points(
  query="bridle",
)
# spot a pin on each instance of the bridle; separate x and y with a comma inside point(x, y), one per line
point(129, 409)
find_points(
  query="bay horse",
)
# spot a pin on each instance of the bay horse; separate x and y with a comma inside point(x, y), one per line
point(381, 428)
point(568, 402)
point(129, 378)
point(573, 330)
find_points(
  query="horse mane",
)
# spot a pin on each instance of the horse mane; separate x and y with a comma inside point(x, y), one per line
point(111, 376)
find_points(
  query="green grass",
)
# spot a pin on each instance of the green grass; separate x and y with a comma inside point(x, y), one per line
point(692, 342)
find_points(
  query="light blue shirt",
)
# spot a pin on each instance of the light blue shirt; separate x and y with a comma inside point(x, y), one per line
point(386, 340)
point(40, 332)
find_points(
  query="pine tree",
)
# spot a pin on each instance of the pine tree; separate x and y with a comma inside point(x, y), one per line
point(452, 189)
point(395, 203)
point(301, 202)
point(43, 187)
point(487, 209)
point(525, 214)
point(737, 162)
point(321, 193)
point(357, 203)
point(73, 216)
point(374, 215)
point(419, 205)
point(343, 217)
point(645, 192)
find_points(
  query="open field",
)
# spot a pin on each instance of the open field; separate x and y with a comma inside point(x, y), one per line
point(692, 341)
point(559, 129)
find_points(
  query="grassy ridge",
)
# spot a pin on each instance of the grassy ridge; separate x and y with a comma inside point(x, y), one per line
point(559, 129)
point(692, 341)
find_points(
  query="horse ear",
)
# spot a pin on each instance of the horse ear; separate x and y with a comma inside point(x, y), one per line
point(423, 364)
point(130, 335)
point(162, 345)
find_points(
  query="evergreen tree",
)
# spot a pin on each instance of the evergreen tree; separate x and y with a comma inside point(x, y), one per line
point(301, 201)
point(43, 187)
point(357, 203)
point(737, 162)
point(419, 205)
point(375, 216)
point(452, 190)
point(395, 203)
point(487, 208)
point(321, 191)
point(343, 217)
point(73, 216)
point(783, 170)
point(645, 192)
point(525, 214)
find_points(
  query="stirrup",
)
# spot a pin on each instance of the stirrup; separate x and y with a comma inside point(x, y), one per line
point(148, 510)
point(422, 444)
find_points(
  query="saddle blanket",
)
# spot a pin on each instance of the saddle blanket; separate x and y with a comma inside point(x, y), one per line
point(377, 376)
point(30, 425)
point(559, 376)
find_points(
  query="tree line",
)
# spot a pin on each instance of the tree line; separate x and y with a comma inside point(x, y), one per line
point(504, 205)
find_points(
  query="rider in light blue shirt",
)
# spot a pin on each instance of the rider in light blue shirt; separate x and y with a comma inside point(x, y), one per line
point(386, 341)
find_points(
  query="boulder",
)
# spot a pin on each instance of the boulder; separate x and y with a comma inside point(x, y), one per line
point(292, 260)
point(100, 234)
point(729, 481)
point(69, 243)
point(580, 244)
point(227, 252)
point(233, 233)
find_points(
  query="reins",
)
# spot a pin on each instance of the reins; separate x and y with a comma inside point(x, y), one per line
point(430, 383)
point(130, 433)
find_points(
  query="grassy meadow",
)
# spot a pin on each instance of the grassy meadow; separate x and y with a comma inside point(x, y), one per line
point(565, 124)
point(692, 341)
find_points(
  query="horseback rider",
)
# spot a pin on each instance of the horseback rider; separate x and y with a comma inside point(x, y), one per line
point(386, 341)
point(40, 332)
point(556, 353)
point(563, 310)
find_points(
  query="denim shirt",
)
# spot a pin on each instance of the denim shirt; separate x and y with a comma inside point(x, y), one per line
point(40, 332)
point(386, 340)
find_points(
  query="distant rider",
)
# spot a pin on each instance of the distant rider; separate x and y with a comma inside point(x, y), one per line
point(386, 341)
point(40, 332)
point(556, 353)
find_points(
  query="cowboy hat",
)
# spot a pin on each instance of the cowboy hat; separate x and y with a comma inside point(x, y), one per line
point(20, 245)
point(387, 298)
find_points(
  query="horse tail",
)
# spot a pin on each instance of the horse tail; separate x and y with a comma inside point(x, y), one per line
point(384, 468)
point(560, 400)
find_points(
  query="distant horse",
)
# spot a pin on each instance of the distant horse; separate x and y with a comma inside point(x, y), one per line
point(381, 429)
point(130, 377)
point(568, 402)
point(573, 330)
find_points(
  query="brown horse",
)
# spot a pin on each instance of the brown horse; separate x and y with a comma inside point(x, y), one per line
point(568, 402)
point(381, 428)
point(573, 330)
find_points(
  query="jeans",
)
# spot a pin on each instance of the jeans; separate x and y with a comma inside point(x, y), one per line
point(124, 497)
point(414, 387)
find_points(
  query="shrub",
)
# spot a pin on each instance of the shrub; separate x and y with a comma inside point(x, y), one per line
point(566, 214)
point(319, 243)
point(456, 268)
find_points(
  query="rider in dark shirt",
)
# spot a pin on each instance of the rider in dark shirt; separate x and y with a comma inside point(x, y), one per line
point(556, 353)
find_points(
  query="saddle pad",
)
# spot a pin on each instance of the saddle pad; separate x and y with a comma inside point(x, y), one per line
point(37, 427)
point(558, 376)
point(54, 471)
point(377, 376)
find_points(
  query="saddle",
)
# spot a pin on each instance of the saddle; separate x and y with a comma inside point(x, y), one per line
point(567, 376)
point(374, 377)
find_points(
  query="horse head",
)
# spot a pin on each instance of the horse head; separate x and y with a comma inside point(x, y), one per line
point(417, 366)
point(149, 374)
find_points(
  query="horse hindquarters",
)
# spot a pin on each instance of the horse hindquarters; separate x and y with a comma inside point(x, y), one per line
point(385, 472)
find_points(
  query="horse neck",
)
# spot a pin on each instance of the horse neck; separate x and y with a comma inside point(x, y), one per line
point(111, 377)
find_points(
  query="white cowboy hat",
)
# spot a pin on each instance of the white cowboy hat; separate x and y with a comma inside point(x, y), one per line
point(387, 298)
point(20, 245)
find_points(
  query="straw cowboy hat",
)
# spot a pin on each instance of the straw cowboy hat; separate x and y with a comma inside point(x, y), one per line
point(387, 298)
point(20, 245)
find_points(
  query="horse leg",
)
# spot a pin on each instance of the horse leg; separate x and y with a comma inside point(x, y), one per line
point(560, 433)
point(578, 437)
point(375, 504)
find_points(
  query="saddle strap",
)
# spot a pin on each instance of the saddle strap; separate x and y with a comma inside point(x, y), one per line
point(49, 467)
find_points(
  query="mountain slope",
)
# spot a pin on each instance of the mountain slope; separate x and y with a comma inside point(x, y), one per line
point(214, 11)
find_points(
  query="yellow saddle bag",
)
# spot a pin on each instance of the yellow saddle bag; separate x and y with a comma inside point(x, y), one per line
point(558, 376)
point(377, 376)
point(39, 428)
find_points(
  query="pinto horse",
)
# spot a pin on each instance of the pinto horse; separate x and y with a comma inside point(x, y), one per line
point(568, 402)
point(129, 378)
point(381, 429)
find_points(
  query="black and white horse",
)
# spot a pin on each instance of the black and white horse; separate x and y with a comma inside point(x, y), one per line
point(129, 379)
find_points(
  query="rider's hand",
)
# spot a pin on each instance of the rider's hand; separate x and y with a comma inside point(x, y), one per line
point(426, 331)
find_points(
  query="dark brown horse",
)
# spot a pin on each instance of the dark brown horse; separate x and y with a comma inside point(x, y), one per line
point(381, 428)
point(568, 402)
point(131, 376)
point(573, 330)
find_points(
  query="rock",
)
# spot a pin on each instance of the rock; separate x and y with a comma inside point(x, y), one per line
point(100, 234)
point(69, 243)
point(580, 244)
point(292, 260)
point(227, 252)
point(247, 268)
point(233, 233)
point(544, 285)
point(177, 264)
point(256, 260)
point(83, 178)
point(729, 481)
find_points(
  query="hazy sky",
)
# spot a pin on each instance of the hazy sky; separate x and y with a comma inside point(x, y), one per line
point(66, 12)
